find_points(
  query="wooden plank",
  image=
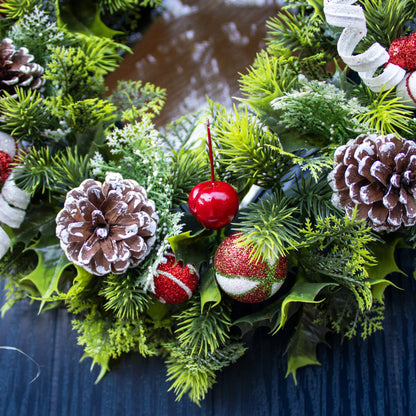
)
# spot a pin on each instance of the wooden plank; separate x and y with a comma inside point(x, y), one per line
point(372, 377)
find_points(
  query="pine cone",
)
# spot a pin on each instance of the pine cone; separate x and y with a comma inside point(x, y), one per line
point(17, 69)
point(107, 228)
point(377, 174)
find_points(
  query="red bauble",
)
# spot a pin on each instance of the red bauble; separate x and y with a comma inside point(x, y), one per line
point(174, 283)
point(402, 52)
point(243, 279)
point(213, 203)
point(5, 170)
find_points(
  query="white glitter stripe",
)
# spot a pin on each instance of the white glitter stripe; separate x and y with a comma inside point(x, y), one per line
point(177, 281)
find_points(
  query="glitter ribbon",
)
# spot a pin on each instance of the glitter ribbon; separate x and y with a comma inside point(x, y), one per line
point(343, 13)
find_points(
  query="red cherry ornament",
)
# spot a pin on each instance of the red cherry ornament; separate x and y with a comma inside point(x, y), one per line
point(213, 203)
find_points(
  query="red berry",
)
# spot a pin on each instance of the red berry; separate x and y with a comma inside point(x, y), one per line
point(213, 203)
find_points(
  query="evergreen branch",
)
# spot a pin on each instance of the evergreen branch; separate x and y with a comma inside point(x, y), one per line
point(134, 100)
point(124, 297)
point(83, 114)
point(269, 227)
point(118, 5)
point(386, 21)
point(25, 116)
point(386, 113)
point(14, 9)
point(195, 374)
point(53, 173)
point(203, 333)
point(248, 151)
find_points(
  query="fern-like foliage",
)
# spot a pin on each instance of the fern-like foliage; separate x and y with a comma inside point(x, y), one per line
point(202, 333)
point(195, 374)
point(320, 113)
point(269, 227)
point(73, 73)
point(117, 5)
point(37, 32)
point(337, 248)
point(24, 116)
point(135, 100)
point(83, 114)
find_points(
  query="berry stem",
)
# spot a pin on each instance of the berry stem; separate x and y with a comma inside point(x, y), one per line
point(211, 158)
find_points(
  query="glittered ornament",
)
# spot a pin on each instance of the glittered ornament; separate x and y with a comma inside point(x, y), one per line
point(174, 283)
point(5, 170)
point(242, 278)
point(213, 203)
point(402, 52)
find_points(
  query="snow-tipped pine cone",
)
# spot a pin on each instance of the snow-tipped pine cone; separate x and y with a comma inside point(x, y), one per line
point(17, 69)
point(107, 228)
point(377, 174)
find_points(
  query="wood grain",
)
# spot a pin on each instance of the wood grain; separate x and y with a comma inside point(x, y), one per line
point(372, 377)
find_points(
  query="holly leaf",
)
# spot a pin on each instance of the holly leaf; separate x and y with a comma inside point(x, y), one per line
point(262, 318)
point(384, 254)
point(36, 220)
point(193, 249)
point(210, 293)
point(301, 349)
point(378, 286)
point(51, 264)
point(301, 292)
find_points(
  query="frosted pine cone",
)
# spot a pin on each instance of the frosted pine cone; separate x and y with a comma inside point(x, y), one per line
point(17, 69)
point(378, 175)
point(107, 228)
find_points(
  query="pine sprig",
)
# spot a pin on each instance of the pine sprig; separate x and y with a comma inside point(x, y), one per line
point(203, 332)
point(124, 297)
point(25, 116)
point(14, 9)
point(195, 374)
point(53, 174)
point(269, 227)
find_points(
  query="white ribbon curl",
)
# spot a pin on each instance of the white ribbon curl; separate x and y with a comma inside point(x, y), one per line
point(343, 13)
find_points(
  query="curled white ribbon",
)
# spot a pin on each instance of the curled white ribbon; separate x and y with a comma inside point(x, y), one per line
point(343, 13)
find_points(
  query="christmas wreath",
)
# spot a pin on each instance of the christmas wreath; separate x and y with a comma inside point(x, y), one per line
point(176, 244)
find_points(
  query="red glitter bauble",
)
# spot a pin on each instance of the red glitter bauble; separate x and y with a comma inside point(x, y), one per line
point(213, 203)
point(174, 283)
point(242, 278)
point(5, 170)
point(402, 52)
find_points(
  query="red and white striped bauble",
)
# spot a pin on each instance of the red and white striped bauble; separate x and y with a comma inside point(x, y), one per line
point(243, 279)
point(174, 283)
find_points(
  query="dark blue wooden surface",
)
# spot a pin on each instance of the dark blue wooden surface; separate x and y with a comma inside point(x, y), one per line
point(372, 377)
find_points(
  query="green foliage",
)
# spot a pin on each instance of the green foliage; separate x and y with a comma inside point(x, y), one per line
point(53, 174)
point(319, 112)
point(73, 73)
point(268, 78)
point(37, 32)
point(104, 54)
point(248, 151)
point(386, 21)
point(203, 333)
point(269, 227)
point(135, 100)
point(124, 297)
point(81, 115)
point(195, 374)
point(337, 248)
point(14, 9)
point(116, 5)
point(387, 113)
point(24, 117)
